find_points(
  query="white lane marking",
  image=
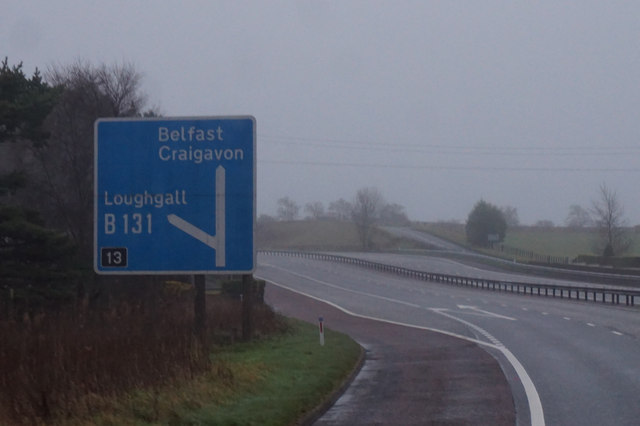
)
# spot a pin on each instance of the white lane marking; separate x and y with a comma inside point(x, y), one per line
point(545, 313)
point(590, 324)
point(535, 405)
point(566, 318)
point(485, 313)
point(353, 314)
point(443, 311)
point(306, 277)
point(617, 333)
point(525, 309)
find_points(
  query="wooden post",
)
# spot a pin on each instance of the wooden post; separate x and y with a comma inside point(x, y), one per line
point(200, 310)
point(247, 307)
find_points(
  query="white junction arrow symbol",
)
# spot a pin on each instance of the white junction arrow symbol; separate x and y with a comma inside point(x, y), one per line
point(192, 230)
point(485, 313)
point(216, 242)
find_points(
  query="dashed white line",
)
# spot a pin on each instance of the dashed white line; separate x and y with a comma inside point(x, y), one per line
point(533, 398)
point(306, 277)
point(566, 318)
point(617, 333)
point(545, 313)
point(590, 324)
point(535, 406)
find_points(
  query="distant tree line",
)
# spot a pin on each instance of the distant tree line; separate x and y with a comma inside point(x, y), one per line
point(487, 224)
point(606, 217)
point(367, 210)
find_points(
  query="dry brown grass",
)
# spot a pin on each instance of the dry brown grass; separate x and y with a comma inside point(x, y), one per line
point(65, 365)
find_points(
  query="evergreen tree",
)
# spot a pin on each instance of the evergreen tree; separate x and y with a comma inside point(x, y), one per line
point(24, 104)
point(484, 221)
point(34, 261)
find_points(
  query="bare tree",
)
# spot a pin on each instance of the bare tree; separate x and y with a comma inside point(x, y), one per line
point(341, 209)
point(120, 83)
point(510, 215)
point(393, 214)
point(544, 223)
point(578, 217)
point(62, 168)
point(315, 210)
point(287, 209)
point(609, 218)
point(366, 211)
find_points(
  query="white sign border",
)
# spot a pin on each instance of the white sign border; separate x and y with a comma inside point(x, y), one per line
point(117, 271)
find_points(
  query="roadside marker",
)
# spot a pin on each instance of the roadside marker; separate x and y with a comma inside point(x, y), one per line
point(321, 329)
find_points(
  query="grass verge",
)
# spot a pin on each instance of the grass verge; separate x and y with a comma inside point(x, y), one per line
point(275, 381)
point(324, 235)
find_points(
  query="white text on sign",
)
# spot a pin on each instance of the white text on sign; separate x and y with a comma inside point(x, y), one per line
point(140, 200)
point(198, 154)
point(191, 134)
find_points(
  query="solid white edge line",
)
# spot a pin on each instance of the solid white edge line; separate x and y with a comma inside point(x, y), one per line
point(535, 405)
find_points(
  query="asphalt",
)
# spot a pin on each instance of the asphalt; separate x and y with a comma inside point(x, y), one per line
point(409, 376)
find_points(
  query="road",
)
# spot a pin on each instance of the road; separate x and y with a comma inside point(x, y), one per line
point(440, 265)
point(568, 362)
point(602, 277)
point(425, 238)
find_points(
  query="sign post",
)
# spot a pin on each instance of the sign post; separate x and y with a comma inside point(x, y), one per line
point(175, 195)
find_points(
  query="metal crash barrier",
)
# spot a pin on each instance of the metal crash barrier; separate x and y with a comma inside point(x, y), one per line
point(590, 294)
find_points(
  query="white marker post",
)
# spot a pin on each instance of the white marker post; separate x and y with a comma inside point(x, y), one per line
point(321, 329)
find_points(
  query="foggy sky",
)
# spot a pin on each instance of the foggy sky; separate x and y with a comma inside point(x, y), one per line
point(436, 103)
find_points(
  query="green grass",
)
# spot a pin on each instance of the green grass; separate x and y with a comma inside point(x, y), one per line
point(306, 235)
point(559, 241)
point(453, 232)
point(276, 381)
point(553, 242)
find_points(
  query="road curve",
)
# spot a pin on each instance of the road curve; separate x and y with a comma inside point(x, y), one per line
point(582, 358)
point(410, 376)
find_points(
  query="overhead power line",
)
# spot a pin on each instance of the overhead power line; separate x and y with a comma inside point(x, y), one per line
point(605, 149)
point(453, 168)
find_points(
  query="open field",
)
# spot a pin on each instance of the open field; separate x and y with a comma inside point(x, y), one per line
point(558, 241)
point(322, 235)
point(554, 242)
point(526, 244)
point(342, 236)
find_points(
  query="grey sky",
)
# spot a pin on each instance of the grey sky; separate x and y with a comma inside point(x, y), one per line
point(436, 103)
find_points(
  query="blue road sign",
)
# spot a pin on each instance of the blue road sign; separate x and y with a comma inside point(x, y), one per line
point(175, 195)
